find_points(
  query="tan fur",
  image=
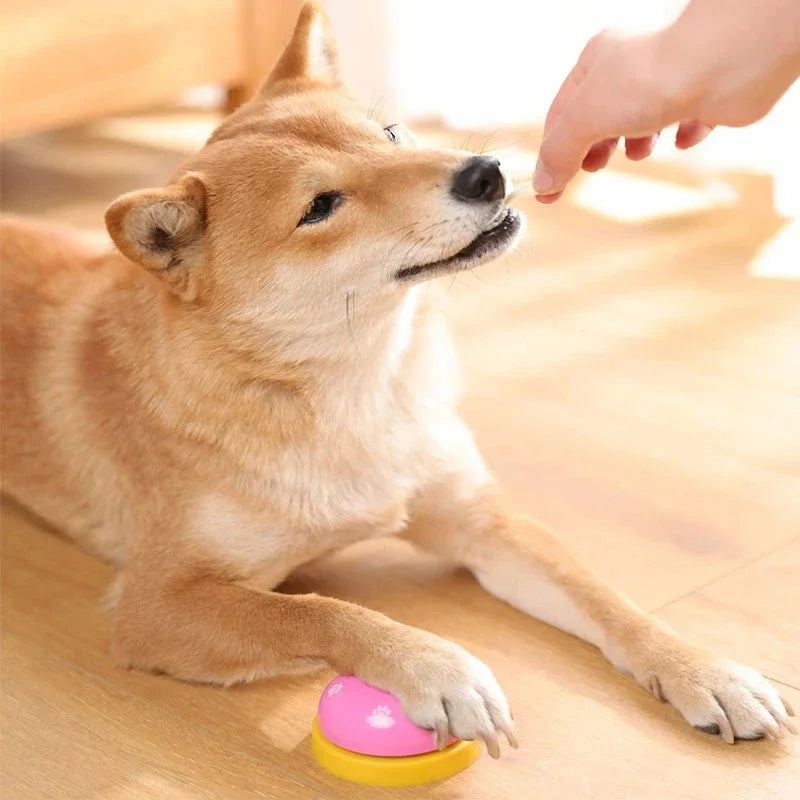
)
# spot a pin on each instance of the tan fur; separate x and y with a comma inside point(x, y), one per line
point(229, 394)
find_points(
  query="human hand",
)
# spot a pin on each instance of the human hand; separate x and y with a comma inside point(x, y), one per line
point(713, 66)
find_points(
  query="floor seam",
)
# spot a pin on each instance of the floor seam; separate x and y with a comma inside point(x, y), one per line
point(749, 562)
point(781, 682)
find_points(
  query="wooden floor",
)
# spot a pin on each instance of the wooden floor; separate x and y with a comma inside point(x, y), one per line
point(631, 382)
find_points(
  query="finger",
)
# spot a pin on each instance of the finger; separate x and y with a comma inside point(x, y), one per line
point(561, 154)
point(562, 97)
point(599, 155)
point(546, 199)
point(564, 148)
point(640, 147)
point(571, 82)
point(542, 182)
point(691, 133)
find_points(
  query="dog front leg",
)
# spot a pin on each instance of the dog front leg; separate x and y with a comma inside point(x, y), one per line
point(520, 562)
point(201, 626)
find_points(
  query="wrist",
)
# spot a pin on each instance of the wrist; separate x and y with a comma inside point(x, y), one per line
point(685, 75)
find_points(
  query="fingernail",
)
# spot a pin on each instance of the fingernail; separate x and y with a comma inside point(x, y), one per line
point(542, 180)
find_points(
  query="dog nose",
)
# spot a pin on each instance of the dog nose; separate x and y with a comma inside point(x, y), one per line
point(479, 179)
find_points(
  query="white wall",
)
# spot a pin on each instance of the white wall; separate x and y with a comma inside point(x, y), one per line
point(475, 63)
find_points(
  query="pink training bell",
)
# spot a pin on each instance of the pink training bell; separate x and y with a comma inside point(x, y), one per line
point(362, 734)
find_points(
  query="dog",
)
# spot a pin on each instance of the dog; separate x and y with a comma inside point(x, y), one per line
point(259, 374)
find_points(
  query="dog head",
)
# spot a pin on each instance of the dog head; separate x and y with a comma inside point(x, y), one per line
point(299, 200)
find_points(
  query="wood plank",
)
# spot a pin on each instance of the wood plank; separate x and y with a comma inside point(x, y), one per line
point(563, 693)
point(751, 614)
point(69, 735)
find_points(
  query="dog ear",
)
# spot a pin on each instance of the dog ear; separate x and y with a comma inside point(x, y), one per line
point(311, 54)
point(162, 229)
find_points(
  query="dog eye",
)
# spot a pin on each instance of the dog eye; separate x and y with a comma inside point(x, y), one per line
point(390, 134)
point(321, 207)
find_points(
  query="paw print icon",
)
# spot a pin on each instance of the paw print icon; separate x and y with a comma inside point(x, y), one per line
point(381, 717)
point(334, 689)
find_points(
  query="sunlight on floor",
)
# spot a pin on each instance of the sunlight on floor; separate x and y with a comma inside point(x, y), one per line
point(780, 256)
point(631, 198)
point(149, 784)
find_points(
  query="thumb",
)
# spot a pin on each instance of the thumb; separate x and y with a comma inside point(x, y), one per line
point(562, 152)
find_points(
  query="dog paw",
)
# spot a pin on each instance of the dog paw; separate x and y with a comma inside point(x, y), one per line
point(444, 688)
point(718, 696)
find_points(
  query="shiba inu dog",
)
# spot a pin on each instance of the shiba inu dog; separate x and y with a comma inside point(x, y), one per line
point(260, 374)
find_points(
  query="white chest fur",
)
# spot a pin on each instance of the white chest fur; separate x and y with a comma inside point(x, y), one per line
point(385, 427)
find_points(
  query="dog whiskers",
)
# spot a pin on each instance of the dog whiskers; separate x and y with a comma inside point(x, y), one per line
point(486, 141)
point(420, 243)
point(404, 238)
point(482, 280)
point(465, 143)
point(415, 247)
point(396, 230)
point(502, 146)
point(349, 312)
point(376, 105)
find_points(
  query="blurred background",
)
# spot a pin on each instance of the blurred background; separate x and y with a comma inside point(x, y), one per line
point(632, 374)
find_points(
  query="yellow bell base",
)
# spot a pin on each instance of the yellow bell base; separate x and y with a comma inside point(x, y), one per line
point(391, 770)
